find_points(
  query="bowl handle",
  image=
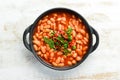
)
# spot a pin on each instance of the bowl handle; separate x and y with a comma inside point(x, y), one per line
point(26, 43)
point(97, 39)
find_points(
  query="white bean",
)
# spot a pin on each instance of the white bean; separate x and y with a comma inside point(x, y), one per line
point(78, 58)
point(39, 53)
point(73, 33)
point(43, 49)
point(85, 39)
point(79, 41)
point(69, 63)
point(45, 56)
point(85, 48)
point(62, 60)
point(61, 64)
point(59, 53)
point(41, 27)
point(74, 61)
point(79, 51)
point(48, 22)
point(35, 47)
point(82, 31)
point(36, 42)
point(51, 54)
point(58, 60)
point(55, 64)
point(74, 55)
point(52, 19)
point(79, 36)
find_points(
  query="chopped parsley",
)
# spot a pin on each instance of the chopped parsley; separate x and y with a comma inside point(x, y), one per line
point(66, 51)
point(59, 42)
point(66, 45)
point(50, 42)
point(60, 39)
point(69, 30)
point(73, 47)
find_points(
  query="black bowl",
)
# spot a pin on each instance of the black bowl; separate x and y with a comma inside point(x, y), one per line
point(91, 31)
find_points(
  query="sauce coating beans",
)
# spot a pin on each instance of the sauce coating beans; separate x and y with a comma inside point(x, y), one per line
point(61, 39)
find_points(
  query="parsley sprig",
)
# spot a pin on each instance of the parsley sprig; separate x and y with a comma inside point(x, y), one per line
point(69, 31)
point(59, 42)
point(50, 42)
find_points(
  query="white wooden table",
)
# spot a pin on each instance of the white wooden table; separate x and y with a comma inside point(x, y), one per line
point(17, 63)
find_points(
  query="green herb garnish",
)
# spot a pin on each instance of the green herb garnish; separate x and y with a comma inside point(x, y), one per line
point(66, 51)
point(59, 42)
point(65, 45)
point(73, 47)
point(69, 37)
point(69, 30)
point(60, 39)
point(50, 42)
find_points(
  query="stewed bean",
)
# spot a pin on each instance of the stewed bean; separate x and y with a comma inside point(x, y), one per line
point(45, 56)
point(74, 55)
point(69, 63)
point(55, 64)
point(35, 47)
point(78, 58)
point(79, 36)
point(74, 61)
point(61, 39)
point(79, 52)
point(39, 53)
point(43, 49)
point(59, 53)
point(58, 60)
point(47, 47)
point(61, 64)
point(62, 59)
